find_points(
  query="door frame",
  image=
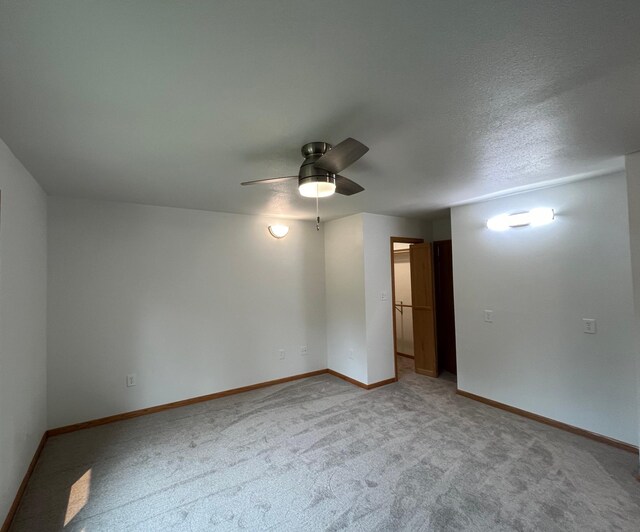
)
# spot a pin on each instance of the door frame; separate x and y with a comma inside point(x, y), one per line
point(397, 240)
point(439, 286)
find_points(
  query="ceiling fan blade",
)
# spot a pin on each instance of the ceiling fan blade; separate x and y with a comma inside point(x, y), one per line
point(269, 180)
point(341, 156)
point(346, 187)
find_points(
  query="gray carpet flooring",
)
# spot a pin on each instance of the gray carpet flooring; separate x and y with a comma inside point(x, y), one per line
point(321, 454)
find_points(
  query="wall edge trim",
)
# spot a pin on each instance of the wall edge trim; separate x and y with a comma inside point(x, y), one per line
point(551, 422)
point(361, 384)
point(209, 397)
point(177, 404)
point(159, 408)
point(23, 485)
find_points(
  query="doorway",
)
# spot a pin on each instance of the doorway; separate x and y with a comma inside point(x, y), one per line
point(403, 309)
point(445, 316)
point(423, 317)
point(401, 297)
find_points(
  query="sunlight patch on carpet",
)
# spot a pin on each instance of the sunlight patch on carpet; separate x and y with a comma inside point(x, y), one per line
point(78, 496)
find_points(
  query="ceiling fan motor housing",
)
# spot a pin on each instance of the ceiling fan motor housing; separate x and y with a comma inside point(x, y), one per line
point(309, 173)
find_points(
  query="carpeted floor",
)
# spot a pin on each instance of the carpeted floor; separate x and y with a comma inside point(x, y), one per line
point(321, 454)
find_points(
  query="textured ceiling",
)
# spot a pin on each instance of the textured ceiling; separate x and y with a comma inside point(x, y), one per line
point(175, 103)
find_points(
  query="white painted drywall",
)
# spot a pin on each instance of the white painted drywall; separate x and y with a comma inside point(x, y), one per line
point(378, 231)
point(193, 302)
point(358, 270)
point(633, 194)
point(23, 292)
point(345, 298)
point(541, 282)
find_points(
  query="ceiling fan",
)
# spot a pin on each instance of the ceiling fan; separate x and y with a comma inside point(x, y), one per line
point(318, 176)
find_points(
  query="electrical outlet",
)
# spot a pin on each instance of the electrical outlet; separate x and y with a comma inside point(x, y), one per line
point(350, 354)
point(488, 316)
point(384, 296)
point(589, 326)
point(303, 351)
point(131, 380)
point(281, 354)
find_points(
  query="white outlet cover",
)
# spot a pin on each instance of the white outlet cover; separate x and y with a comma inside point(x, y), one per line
point(589, 326)
point(303, 350)
point(131, 380)
point(281, 354)
point(488, 316)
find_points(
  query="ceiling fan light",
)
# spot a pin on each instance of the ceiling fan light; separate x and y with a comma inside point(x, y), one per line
point(317, 189)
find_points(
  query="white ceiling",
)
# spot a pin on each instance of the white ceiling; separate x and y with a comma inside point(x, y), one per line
point(175, 103)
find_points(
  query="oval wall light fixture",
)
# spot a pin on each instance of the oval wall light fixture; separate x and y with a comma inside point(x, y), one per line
point(534, 218)
point(278, 230)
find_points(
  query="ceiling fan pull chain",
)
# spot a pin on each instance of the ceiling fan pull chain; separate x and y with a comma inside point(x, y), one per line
point(317, 214)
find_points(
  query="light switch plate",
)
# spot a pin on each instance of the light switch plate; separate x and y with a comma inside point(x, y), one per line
point(589, 325)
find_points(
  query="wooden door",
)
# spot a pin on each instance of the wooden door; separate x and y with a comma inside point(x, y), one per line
point(424, 334)
point(445, 317)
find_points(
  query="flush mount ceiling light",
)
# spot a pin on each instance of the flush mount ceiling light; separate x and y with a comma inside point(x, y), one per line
point(317, 186)
point(534, 218)
point(278, 230)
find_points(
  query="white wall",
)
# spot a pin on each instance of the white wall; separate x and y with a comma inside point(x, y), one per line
point(378, 231)
point(23, 290)
point(358, 269)
point(540, 283)
point(345, 298)
point(633, 195)
point(193, 302)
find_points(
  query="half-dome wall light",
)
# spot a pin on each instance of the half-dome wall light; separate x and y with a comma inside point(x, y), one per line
point(278, 230)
